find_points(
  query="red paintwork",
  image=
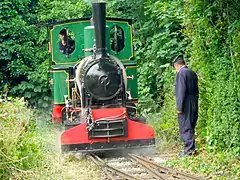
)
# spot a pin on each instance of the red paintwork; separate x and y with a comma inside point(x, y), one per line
point(57, 113)
point(79, 134)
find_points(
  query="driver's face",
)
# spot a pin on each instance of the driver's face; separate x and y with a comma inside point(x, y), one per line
point(61, 37)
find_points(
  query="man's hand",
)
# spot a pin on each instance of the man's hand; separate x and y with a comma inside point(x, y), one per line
point(179, 112)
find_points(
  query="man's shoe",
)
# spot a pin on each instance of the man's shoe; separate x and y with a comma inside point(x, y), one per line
point(192, 153)
point(182, 154)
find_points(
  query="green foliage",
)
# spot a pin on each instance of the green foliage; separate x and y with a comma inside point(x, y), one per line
point(21, 52)
point(214, 166)
point(213, 28)
point(29, 147)
point(62, 10)
point(17, 39)
point(165, 122)
point(158, 38)
point(24, 55)
point(20, 146)
point(36, 88)
point(208, 34)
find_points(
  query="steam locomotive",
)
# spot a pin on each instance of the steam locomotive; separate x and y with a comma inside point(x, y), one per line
point(95, 84)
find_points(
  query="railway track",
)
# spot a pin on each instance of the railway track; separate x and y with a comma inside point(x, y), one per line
point(134, 167)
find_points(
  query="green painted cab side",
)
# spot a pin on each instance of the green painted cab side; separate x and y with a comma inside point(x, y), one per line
point(60, 86)
point(132, 81)
point(77, 28)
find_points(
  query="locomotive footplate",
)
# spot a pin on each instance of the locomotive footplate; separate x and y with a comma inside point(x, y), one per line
point(98, 147)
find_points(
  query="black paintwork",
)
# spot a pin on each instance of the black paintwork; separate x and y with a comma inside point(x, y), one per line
point(102, 80)
point(99, 22)
point(110, 146)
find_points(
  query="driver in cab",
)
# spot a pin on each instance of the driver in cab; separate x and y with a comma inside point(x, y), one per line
point(66, 44)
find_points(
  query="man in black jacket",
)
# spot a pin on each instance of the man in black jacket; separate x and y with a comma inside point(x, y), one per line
point(186, 88)
point(66, 44)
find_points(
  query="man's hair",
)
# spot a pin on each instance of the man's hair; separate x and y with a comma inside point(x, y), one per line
point(178, 60)
point(63, 32)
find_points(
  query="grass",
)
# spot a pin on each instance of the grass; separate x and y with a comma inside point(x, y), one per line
point(210, 165)
point(65, 167)
point(29, 147)
point(215, 165)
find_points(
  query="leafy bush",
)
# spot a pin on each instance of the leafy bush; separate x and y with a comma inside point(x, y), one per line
point(209, 165)
point(30, 149)
point(165, 122)
point(213, 28)
point(24, 55)
point(207, 32)
point(20, 146)
point(157, 39)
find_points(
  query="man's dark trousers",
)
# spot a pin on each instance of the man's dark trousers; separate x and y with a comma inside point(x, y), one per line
point(187, 102)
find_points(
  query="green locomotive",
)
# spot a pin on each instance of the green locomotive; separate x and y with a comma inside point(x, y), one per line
point(118, 31)
point(95, 84)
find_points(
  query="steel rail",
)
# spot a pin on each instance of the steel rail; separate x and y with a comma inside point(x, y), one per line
point(106, 168)
point(103, 168)
point(144, 165)
point(166, 170)
point(153, 169)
